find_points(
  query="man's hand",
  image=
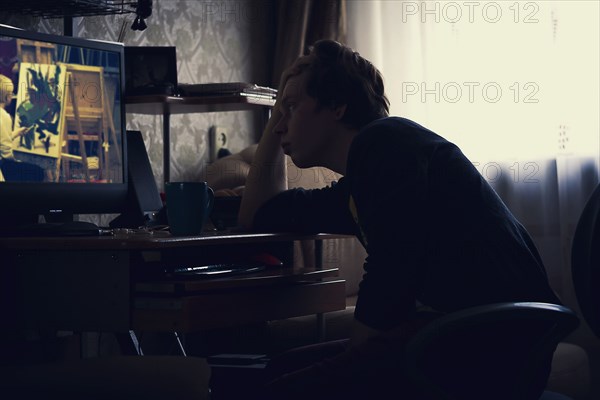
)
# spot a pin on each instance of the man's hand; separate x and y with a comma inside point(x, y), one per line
point(268, 175)
point(296, 68)
point(276, 113)
point(19, 132)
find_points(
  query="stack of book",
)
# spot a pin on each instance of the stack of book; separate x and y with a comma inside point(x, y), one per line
point(226, 89)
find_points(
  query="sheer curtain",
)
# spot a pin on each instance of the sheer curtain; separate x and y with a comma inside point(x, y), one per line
point(514, 84)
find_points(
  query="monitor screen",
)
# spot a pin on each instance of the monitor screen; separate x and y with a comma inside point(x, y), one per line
point(62, 124)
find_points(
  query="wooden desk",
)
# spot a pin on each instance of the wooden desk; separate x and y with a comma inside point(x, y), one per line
point(115, 284)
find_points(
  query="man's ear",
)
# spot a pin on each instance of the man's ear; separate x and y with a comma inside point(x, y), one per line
point(340, 111)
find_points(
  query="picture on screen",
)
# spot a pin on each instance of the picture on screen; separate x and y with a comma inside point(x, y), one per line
point(39, 109)
point(64, 113)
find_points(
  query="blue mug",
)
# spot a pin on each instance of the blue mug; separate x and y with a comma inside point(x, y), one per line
point(189, 205)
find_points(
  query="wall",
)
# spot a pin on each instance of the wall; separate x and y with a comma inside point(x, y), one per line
point(224, 41)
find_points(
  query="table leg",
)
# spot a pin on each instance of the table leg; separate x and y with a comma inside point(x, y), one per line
point(130, 345)
point(180, 344)
point(319, 265)
point(166, 145)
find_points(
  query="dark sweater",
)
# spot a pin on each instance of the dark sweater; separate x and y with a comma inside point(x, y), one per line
point(435, 232)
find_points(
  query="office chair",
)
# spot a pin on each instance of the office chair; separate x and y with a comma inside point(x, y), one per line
point(585, 261)
point(570, 360)
point(470, 354)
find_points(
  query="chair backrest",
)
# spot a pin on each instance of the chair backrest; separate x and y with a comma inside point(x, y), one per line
point(496, 351)
point(585, 261)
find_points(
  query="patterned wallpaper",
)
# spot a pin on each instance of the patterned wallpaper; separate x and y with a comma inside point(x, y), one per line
point(226, 41)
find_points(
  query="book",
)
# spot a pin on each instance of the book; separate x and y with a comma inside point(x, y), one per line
point(230, 88)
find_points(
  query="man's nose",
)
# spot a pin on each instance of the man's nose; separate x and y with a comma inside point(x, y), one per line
point(281, 125)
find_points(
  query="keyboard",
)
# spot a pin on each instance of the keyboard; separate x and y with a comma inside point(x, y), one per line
point(71, 228)
point(214, 271)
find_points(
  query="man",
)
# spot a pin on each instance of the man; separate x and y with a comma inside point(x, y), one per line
point(7, 135)
point(12, 169)
point(438, 237)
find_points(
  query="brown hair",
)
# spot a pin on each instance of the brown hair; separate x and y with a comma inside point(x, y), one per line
point(337, 75)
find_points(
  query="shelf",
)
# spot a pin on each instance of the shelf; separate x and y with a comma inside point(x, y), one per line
point(222, 308)
point(160, 104)
point(168, 105)
point(69, 8)
point(265, 277)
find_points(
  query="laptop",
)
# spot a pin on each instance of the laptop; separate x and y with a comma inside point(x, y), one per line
point(144, 205)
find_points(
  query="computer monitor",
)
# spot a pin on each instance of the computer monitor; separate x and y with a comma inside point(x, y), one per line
point(150, 70)
point(66, 153)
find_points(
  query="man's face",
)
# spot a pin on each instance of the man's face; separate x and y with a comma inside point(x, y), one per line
point(7, 90)
point(306, 133)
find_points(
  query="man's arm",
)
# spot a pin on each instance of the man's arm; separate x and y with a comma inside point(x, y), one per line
point(267, 175)
point(18, 133)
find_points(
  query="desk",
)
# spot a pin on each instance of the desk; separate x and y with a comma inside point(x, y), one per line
point(114, 284)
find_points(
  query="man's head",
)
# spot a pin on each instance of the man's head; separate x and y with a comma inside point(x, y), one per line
point(336, 75)
point(6, 90)
point(324, 95)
